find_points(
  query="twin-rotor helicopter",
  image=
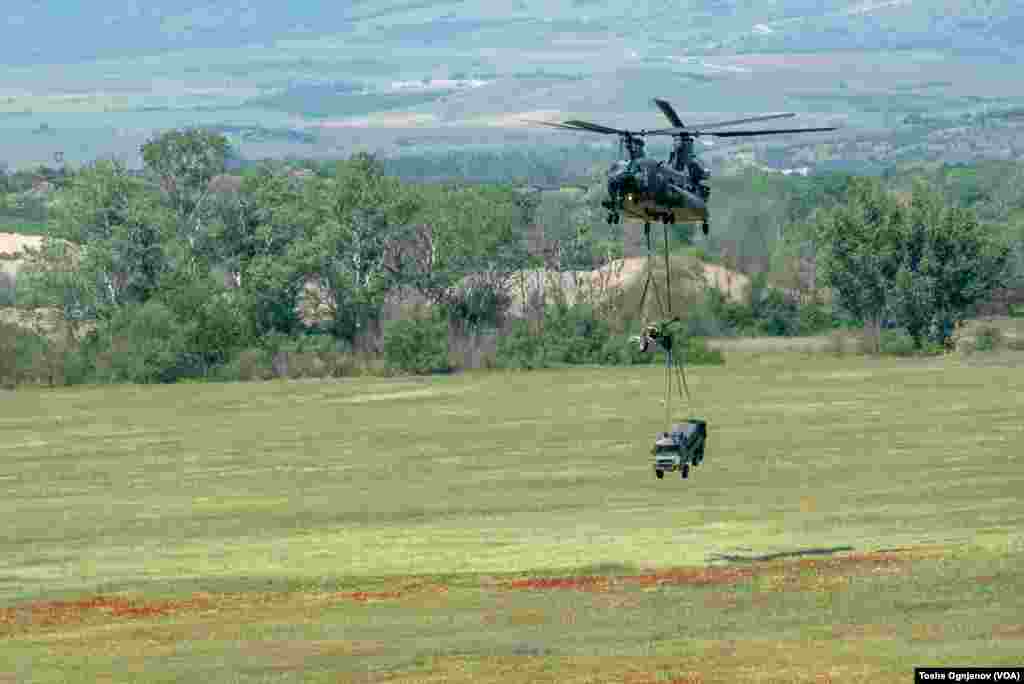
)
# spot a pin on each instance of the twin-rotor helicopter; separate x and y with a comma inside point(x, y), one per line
point(672, 191)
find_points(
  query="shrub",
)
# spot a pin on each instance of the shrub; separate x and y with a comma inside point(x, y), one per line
point(144, 344)
point(897, 342)
point(846, 341)
point(574, 335)
point(620, 350)
point(814, 319)
point(304, 365)
point(778, 315)
point(28, 357)
point(341, 364)
point(418, 345)
point(520, 348)
point(252, 365)
point(988, 338)
point(716, 314)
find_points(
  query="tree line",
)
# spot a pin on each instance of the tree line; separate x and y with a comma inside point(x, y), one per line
point(181, 271)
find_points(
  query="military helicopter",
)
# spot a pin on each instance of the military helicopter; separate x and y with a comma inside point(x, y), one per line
point(672, 191)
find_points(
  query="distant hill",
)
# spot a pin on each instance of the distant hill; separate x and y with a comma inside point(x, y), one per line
point(316, 78)
point(59, 31)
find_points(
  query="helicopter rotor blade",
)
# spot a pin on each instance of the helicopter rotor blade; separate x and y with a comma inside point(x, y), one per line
point(581, 127)
point(596, 128)
point(669, 112)
point(669, 131)
point(777, 131)
point(752, 119)
point(552, 124)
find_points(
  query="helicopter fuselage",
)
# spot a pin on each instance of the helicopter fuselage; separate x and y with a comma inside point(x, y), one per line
point(651, 190)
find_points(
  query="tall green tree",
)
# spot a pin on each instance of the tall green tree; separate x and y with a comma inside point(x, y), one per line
point(860, 252)
point(350, 220)
point(253, 239)
point(463, 247)
point(105, 246)
point(949, 263)
point(183, 162)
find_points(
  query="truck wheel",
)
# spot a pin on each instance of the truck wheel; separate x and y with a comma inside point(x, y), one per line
point(659, 473)
point(685, 470)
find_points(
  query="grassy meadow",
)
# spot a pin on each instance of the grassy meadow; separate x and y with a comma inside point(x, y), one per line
point(853, 518)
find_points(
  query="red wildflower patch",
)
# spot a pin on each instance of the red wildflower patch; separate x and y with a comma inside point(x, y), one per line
point(64, 612)
point(692, 576)
point(787, 574)
point(582, 583)
point(679, 576)
point(367, 596)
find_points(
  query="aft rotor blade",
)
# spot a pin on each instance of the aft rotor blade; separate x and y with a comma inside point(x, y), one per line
point(693, 130)
point(669, 112)
point(752, 119)
point(765, 117)
point(778, 131)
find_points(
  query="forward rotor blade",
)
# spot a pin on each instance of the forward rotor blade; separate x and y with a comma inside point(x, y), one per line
point(778, 131)
point(669, 112)
point(596, 128)
point(552, 124)
point(669, 131)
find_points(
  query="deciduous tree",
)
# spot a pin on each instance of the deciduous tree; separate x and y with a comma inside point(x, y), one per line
point(860, 258)
point(949, 262)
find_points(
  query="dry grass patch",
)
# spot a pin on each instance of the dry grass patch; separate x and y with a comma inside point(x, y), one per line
point(719, 661)
point(864, 632)
point(294, 654)
point(1008, 631)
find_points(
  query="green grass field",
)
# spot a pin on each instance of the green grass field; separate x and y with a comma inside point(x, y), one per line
point(853, 518)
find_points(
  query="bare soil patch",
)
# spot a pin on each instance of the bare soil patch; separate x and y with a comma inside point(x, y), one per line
point(14, 243)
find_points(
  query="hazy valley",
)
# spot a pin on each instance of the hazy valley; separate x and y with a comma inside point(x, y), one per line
point(908, 81)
